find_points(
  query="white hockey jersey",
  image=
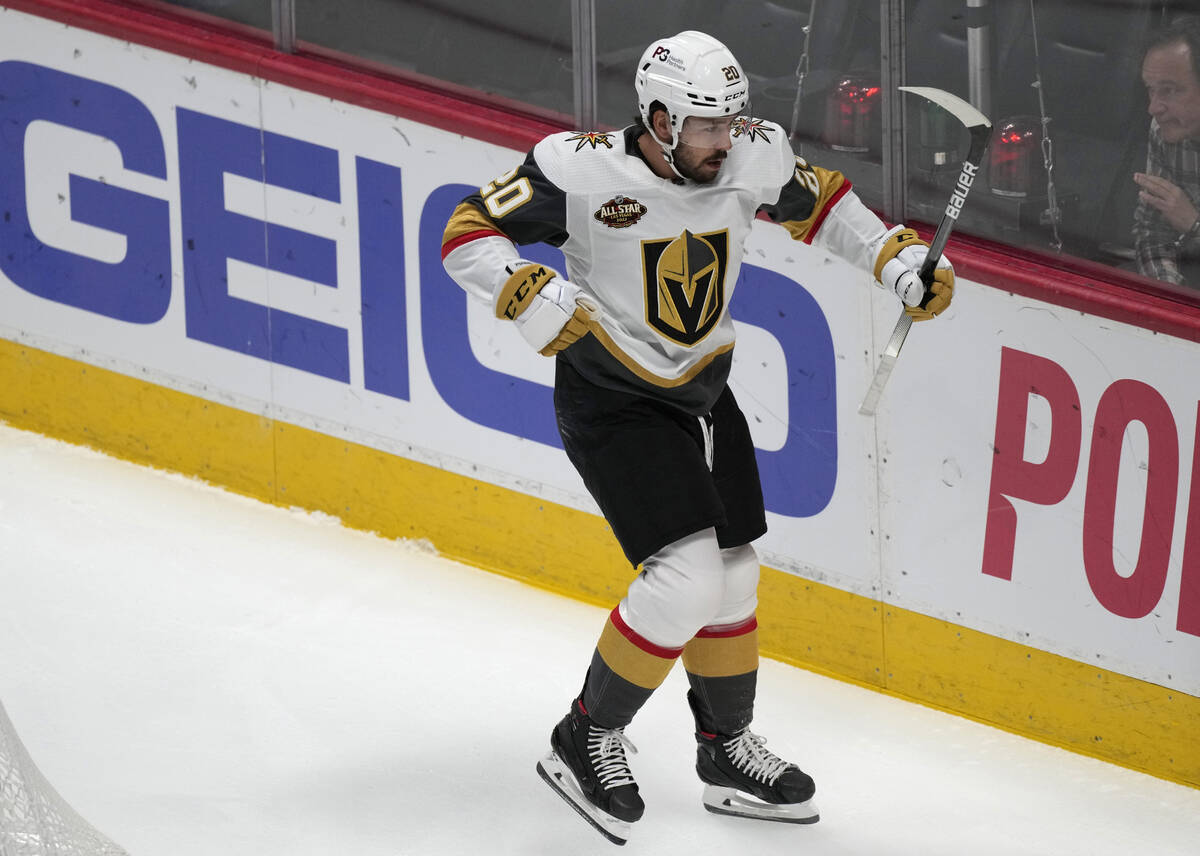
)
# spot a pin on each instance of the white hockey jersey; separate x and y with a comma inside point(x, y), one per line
point(660, 257)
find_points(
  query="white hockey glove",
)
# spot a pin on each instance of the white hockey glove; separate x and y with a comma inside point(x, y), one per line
point(901, 254)
point(546, 308)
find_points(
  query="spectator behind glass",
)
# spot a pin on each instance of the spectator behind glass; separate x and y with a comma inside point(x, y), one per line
point(1166, 223)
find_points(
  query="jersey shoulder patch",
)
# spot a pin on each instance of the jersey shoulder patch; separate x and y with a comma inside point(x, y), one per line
point(761, 156)
point(571, 157)
point(754, 130)
point(592, 139)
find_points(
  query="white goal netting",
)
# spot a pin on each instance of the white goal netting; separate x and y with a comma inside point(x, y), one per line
point(34, 819)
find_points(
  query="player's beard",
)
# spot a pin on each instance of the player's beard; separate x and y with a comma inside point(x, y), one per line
point(695, 164)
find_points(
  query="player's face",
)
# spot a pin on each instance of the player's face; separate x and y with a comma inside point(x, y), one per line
point(703, 146)
point(1174, 91)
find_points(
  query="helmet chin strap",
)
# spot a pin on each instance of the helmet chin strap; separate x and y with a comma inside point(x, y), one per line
point(668, 150)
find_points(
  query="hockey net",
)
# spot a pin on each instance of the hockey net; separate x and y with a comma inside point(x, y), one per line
point(34, 819)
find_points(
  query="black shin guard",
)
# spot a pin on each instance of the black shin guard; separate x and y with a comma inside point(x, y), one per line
point(722, 705)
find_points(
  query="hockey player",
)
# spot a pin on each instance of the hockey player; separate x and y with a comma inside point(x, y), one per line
point(652, 221)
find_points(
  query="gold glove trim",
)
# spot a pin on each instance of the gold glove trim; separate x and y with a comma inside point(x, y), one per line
point(941, 292)
point(575, 328)
point(519, 290)
point(892, 247)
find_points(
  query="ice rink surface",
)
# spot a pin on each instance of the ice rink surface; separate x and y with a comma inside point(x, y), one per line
point(200, 674)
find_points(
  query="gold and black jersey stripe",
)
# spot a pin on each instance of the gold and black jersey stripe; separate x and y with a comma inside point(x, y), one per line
point(523, 205)
point(806, 199)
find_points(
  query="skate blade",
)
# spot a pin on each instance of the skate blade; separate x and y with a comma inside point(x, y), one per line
point(559, 776)
point(734, 803)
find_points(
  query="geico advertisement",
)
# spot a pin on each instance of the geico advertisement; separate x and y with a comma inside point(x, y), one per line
point(269, 248)
point(1029, 475)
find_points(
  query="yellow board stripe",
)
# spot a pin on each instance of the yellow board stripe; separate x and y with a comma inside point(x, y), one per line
point(136, 420)
point(1002, 683)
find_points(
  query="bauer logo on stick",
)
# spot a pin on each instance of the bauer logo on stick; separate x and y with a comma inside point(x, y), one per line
point(959, 197)
point(979, 127)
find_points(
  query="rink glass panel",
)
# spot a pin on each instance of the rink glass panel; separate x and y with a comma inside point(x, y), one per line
point(516, 52)
point(1078, 144)
point(820, 70)
point(252, 13)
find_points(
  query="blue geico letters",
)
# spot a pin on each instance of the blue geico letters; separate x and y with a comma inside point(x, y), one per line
point(136, 289)
point(209, 148)
point(798, 479)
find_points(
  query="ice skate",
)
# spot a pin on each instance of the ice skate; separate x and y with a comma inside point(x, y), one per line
point(588, 769)
point(744, 779)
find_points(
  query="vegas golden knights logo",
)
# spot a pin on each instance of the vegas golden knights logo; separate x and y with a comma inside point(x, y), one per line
point(685, 284)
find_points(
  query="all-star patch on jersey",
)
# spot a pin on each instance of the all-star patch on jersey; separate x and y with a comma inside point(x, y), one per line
point(619, 212)
point(660, 257)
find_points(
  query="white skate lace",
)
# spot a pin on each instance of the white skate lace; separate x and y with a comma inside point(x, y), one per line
point(748, 754)
point(607, 746)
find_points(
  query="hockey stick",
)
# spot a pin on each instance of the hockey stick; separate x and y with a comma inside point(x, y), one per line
point(980, 129)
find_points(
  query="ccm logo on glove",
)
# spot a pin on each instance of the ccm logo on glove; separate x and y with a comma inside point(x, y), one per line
point(520, 288)
point(546, 308)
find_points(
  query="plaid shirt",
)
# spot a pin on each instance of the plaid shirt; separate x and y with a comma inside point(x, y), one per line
point(1157, 243)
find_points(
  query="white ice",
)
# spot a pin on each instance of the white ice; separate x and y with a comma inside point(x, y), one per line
point(200, 674)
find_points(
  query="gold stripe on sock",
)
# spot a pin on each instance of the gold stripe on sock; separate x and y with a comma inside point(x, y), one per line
point(632, 662)
point(722, 656)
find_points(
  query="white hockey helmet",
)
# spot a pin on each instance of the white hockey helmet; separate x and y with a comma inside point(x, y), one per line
point(690, 74)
